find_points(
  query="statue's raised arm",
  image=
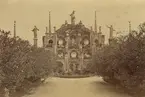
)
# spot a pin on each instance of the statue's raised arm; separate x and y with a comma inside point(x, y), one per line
point(110, 27)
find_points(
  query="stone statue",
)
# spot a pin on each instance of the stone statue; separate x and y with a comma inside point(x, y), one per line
point(72, 17)
point(35, 31)
point(111, 30)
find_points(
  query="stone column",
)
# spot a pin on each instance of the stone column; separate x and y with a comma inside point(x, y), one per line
point(81, 53)
point(82, 58)
point(67, 54)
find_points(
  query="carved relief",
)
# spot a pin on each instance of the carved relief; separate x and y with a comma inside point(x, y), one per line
point(74, 67)
point(73, 54)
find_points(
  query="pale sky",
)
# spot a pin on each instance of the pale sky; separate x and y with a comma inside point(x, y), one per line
point(28, 13)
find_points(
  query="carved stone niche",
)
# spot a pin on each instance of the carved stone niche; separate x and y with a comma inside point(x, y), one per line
point(50, 43)
point(60, 54)
point(73, 39)
point(73, 42)
point(85, 41)
point(74, 66)
point(96, 42)
point(61, 43)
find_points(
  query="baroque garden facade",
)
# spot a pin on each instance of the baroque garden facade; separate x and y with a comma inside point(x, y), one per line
point(73, 44)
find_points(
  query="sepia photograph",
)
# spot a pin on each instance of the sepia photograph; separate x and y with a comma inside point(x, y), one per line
point(72, 48)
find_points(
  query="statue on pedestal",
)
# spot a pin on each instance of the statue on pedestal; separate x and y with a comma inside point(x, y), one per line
point(35, 35)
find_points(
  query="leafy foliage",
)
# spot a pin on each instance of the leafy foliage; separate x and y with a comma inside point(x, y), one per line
point(20, 61)
point(123, 61)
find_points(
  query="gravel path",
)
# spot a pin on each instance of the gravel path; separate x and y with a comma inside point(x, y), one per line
point(83, 87)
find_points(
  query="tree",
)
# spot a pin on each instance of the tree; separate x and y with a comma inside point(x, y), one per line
point(123, 62)
point(20, 61)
